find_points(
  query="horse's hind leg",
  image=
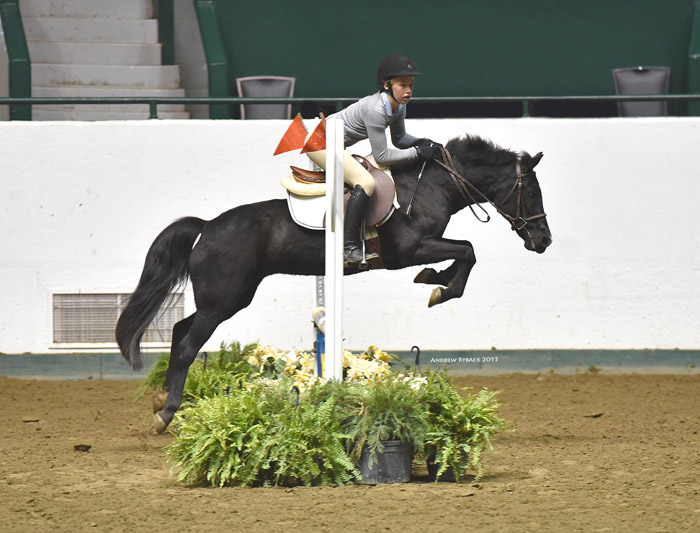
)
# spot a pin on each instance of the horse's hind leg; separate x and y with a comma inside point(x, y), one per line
point(179, 331)
point(201, 328)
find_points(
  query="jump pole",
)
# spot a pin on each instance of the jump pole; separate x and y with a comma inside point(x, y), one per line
point(333, 284)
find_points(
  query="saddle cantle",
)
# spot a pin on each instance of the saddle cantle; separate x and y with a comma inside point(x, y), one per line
point(306, 190)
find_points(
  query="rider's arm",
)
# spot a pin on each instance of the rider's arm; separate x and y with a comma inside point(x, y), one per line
point(382, 152)
point(399, 137)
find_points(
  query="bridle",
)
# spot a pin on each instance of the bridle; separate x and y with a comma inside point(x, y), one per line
point(517, 222)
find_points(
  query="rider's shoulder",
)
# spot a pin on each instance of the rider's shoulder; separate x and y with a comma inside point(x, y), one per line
point(372, 101)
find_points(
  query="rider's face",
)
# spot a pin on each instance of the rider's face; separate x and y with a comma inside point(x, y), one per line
point(401, 88)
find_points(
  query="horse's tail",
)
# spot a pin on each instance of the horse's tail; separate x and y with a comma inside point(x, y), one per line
point(165, 268)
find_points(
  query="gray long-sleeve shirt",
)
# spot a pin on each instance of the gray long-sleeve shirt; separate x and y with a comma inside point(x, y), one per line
point(368, 118)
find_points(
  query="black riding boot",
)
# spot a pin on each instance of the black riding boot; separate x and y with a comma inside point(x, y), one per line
point(354, 214)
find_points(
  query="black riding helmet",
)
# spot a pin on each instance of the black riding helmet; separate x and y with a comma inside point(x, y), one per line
point(394, 66)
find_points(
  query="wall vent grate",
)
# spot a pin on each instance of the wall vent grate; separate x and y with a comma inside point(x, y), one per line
point(91, 318)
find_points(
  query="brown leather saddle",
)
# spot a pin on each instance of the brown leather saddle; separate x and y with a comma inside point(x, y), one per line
point(381, 204)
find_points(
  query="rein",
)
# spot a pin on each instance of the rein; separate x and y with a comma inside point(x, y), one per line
point(519, 221)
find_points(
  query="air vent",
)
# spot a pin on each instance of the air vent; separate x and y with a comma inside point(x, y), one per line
point(91, 318)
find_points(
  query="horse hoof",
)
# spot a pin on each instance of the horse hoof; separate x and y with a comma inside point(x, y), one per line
point(435, 297)
point(159, 401)
point(423, 276)
point(159, 424)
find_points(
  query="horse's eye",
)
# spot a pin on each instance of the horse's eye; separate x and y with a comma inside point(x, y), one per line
point(530, 195)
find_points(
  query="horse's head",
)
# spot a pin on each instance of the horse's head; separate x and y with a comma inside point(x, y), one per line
point(516, 196)
point(521, 205)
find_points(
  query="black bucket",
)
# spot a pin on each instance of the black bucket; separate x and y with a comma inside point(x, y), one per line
point(393, 465)
point(448, 474)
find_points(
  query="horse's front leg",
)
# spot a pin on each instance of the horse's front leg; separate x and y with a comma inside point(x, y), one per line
point(430, 276)
point(454, 278)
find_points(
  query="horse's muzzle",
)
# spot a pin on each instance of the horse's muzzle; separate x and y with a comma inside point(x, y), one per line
point(536, 238)
point(538, 242)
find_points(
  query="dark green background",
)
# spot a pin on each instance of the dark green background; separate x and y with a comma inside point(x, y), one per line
point(464, 48)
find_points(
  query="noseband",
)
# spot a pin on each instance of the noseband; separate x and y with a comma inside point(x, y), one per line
point(517, 222)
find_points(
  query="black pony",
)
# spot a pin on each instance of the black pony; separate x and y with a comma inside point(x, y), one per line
point(240, 247)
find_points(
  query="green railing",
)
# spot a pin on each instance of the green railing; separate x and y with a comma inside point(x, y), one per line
point(215, 55)
point(166, 31)
point(524, 101)
point(694, 60)
point(18, 56)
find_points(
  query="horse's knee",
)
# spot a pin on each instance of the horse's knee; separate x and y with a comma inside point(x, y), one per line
point(470, 257)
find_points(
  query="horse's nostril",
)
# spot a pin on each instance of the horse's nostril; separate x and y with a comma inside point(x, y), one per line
point(546, 241)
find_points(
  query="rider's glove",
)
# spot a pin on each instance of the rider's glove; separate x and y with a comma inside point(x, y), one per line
point(424, 141)
point(426, 153)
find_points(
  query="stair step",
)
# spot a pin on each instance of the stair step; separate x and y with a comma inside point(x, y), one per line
point(120, 9)
point(81, 91)
point(95, 53)
point(98, 48)
point(105, 115)
point(164, 77)
point(102, 91)
point(97, 29)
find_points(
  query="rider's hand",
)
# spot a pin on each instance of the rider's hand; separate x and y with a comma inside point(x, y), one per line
point(426, 142)
point(426, 153)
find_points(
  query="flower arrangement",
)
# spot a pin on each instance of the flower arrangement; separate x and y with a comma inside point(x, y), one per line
point(256, 415)
point(371, 365)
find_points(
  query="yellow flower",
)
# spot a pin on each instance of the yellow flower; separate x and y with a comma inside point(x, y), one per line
point(307, 363)
point(348, 358)
point(382, 356)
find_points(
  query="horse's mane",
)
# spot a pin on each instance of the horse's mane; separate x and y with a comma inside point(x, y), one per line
point(479, 151)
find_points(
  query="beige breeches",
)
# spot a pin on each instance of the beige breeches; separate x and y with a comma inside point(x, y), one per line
point(355, 174)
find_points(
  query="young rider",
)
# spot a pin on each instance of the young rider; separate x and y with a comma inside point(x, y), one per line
point(369, 118)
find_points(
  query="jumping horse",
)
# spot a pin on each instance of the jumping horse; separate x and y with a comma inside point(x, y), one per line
point(226, 258)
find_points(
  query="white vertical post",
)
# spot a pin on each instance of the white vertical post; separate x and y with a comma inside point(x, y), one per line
point(335, 147)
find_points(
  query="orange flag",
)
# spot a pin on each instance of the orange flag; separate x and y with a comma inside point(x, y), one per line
point(293, 138)
point(317, 140)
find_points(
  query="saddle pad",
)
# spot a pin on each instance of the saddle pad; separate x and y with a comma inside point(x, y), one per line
point(307, 211)
point(313, 190)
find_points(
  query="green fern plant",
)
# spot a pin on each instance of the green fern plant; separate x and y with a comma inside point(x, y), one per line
point(461, 427)
point(258, 436)
point(381, 411)
point(220, 371)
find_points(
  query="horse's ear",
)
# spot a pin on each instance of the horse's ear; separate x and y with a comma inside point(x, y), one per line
point(531, 162)
point(535, 160)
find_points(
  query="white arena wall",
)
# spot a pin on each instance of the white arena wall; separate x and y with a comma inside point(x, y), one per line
point(81, 202)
